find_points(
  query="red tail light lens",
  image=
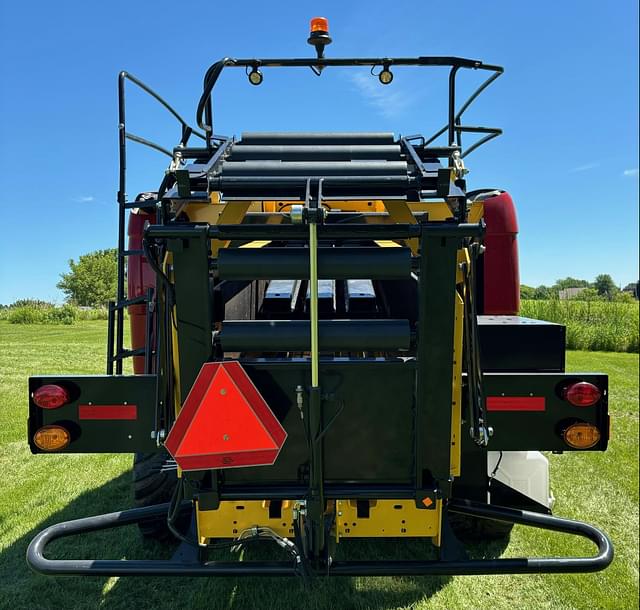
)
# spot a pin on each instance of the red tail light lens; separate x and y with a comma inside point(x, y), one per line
point(582, 394)
point(50, 396)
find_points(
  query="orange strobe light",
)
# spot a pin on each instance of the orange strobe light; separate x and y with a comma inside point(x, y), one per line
point(319, 24)
point(319, 35)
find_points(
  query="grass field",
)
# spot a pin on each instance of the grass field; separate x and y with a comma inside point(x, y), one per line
point(37, 491)
point(591, 325)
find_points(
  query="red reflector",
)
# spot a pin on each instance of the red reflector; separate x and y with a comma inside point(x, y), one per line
point(50, 396)
point(582, 394)
point(515, 403)
point(224, 422)
point(107, 412)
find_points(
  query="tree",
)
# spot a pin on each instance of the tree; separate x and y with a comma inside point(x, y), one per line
point(570, 282)
point(92, 280)
point(588, 294)
point(542, 293)
point(605, 286)
point(527, 292)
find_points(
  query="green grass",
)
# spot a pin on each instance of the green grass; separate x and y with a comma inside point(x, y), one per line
point(591, 325)
point(37, 491)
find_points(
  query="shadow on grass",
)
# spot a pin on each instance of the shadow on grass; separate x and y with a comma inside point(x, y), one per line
point(22, 588)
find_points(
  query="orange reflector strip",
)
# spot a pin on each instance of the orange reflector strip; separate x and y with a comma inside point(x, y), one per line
point(224, 422)
point(319, 24)
point(581, 436)
point(427, 501)
point(51, 438)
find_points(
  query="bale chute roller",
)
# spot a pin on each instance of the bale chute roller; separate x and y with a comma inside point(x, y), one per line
point(325, 350)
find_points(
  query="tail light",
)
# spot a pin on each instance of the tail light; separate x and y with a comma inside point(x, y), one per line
point(582, 394)
point(581, 435)
point(51, 438)
point(50, 396)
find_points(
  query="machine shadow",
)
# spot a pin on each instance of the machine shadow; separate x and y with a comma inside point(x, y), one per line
point(23, 588)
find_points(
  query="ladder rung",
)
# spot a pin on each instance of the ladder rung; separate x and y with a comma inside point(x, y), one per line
point(127, 353)
point(135, 301)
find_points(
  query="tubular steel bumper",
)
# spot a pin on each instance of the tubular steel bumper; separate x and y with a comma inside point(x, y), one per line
point(192, 567)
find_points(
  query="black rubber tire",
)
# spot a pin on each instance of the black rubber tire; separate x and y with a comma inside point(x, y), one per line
point(473, 529)
point(152, 486)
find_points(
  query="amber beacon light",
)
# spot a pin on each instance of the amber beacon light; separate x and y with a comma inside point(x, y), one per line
point(319, 34)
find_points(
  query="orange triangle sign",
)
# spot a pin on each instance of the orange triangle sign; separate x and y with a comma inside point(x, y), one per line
point(224, 422)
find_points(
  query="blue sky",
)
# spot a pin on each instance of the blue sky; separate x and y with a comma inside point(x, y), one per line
point(568, 104)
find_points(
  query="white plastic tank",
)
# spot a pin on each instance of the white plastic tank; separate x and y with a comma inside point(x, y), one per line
point(524, 471)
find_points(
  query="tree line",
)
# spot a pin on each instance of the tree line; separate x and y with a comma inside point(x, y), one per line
point(603, 288)
point(91, 282)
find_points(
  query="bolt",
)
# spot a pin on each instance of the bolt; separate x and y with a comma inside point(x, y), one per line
point(223, 392)
point(225, 437)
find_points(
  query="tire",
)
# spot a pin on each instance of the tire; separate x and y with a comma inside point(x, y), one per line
point(153, 486)
point(471, 530)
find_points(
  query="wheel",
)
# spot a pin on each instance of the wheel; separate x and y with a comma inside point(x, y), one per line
point(151, 486)
point(473, 529)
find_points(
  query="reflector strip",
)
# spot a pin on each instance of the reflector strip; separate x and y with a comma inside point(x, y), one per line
point(515, 403)
point(107, 412)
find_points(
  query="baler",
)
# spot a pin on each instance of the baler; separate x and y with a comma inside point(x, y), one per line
point(326, 345)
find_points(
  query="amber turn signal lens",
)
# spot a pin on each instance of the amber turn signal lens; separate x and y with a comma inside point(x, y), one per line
point(52, 438)
point(581, 436)
point(582, 394)
point(319, 24)
point(50, 396)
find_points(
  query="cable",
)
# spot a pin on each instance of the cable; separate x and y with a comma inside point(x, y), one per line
point(495, 470)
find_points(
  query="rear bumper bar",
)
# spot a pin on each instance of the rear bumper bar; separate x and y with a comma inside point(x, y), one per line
point(192, 567)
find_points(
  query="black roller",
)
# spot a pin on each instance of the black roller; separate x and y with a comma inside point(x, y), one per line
point(313, 168)
point(333, 263)
point(318, 152)
point(334, 335)
point(314, 137)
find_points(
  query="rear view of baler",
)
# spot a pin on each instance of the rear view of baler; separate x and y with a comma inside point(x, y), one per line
point(326, 345)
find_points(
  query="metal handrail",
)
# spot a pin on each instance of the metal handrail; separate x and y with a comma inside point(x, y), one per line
point(204, 112)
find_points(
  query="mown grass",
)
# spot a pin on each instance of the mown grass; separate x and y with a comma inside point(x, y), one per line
point(37, 491)
point(591, 325)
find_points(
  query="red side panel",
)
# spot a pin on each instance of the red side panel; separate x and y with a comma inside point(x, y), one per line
point(140, 277)
point(501, 272)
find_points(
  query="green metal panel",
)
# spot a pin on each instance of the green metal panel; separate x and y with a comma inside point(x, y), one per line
point(437, 294)
point(194, 306)
point(370, 438)
point(99, 435)
point(541, 430)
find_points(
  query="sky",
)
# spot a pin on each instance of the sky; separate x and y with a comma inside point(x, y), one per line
point(568, 105)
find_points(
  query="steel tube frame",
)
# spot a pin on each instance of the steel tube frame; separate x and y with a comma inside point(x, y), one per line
point(455, 63)
point(325, 231)
point(175, 567)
